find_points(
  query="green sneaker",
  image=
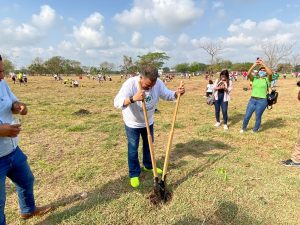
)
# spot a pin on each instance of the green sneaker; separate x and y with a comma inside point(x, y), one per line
point(159, 171)
point(135, 182)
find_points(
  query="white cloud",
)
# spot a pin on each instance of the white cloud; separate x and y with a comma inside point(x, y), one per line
point(197, 42)
point(170, 14)
point(183, 39)
point(217, 5)
point(23, 34)
point(239, 40)
point(94, 21)
point(26, 31)
point(270, 25)
point(136, 38)
point(239, 26)
point(46, 17)
point(90, 34)
point(161, 42)
point(65, 45)
point(221, 13)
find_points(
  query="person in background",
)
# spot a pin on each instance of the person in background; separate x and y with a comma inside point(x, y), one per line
point(150, 88)
point(25, 78)
point(209, 88)
point(295, 159)
point(20, 78)
point(258, 101)
point(222, 88)
point(13, 162)
point(275, 78)
point(13, 77)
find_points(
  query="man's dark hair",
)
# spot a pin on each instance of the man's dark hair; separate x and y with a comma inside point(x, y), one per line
point(298, 83)
point(0, 58)
point(150, 72)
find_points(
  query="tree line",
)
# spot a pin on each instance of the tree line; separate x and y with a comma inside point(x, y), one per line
point(280, 57)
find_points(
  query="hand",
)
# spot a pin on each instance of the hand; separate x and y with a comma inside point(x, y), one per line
point(7, 130)
point(259, 62)
point(180, 91)
point(19, 108)
point(139, 96)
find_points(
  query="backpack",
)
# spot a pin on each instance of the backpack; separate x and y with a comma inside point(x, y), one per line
point(271, 97)
point(210, 100)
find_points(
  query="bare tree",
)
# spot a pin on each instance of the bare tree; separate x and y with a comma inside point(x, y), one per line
point(212, 48)
point(295, 59)
point(127, 63)
point(276, 52)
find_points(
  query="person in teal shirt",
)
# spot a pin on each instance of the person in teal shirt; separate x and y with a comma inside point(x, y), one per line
point(275, 78)
point(258, 101)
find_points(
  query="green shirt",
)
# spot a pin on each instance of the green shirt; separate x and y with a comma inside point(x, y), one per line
point(275, 76)
point(260, 87)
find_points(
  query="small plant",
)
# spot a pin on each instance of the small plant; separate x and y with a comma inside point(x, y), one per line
point(223, 173)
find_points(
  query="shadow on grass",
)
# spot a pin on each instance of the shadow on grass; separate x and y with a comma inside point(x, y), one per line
point(106, 193)
point(274, 123)
point(198, 148)
point(226, 213)
point(114, 189)
point(236, 118)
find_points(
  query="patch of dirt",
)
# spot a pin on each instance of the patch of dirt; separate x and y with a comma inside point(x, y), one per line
point(82, 112)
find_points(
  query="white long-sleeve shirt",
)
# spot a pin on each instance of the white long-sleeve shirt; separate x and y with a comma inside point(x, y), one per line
point(133, 114)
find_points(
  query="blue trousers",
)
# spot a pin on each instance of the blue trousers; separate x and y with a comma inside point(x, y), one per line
point(223, 105)
point(15, 167)
point(133, 138)
point(257, 105)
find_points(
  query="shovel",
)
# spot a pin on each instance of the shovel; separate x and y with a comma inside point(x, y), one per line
point(152, 153)
point(164, 194)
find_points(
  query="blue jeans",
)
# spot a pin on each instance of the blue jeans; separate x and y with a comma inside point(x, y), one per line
point(223, 105)
point(15, 167)
point(133, 138)
point(273, 83)
point(257, 105)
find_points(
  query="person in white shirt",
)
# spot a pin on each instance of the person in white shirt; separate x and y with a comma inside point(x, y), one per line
point(129, 100)
point(209, 88)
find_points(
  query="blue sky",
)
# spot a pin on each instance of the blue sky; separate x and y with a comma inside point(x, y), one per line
point(94, 31)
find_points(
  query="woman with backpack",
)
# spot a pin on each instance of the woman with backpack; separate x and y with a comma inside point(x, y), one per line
point(222, 88)
point(258, 101)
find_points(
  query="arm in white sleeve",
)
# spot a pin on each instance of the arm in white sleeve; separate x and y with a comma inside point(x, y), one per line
point(230, 86)
point(216, 85)
point(165, 93)
point(125, 92)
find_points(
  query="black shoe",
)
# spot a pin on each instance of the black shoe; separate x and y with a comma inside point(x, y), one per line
point(290, 162)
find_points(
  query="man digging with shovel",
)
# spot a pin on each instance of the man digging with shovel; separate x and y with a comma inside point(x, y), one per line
point(136, 91)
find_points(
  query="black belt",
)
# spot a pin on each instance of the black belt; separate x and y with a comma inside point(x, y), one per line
point(257, 98)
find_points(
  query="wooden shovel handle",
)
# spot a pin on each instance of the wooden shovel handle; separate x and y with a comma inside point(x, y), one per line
point(168, 151)
point(152, 152)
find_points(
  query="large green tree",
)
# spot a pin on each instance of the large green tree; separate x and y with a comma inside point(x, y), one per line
point(156, 59)
point(8, 66)
point(55, 64)
point(182, 67)
point(196, 67)
point(37, 67)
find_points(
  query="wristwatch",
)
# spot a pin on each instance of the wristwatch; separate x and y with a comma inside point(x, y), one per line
point(131, 99)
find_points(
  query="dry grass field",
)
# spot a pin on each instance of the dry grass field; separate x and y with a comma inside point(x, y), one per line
point(216, 176)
